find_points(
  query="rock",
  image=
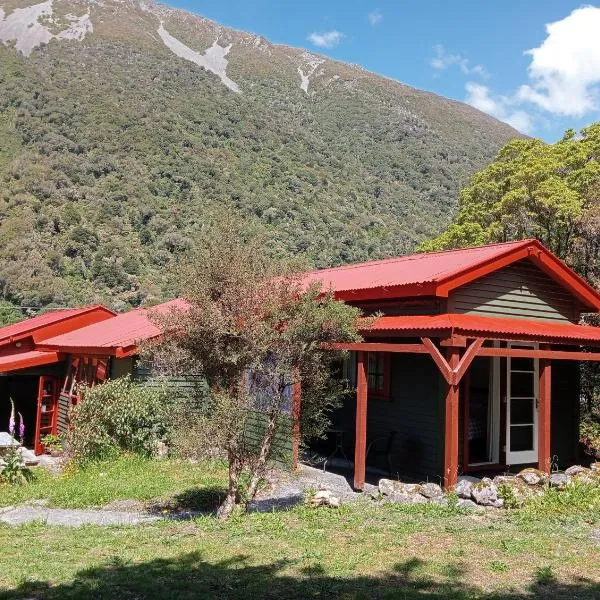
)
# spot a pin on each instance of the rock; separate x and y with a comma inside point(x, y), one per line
point(322, 495)
point(485, 492)
point(7, 441)
point(469, 478)
point(406, 499)
point(504, 479)
point(533, 476)
point(431, 490)
point(559, 480)
point(595, 466)
point(463, 489)
point(499, 503)
point(29, 457)
point(388, 487)
point(469, 504)
point(161, 450)
point(586, 476)
point(325, 498)
point(334, 502)
point(574, 470)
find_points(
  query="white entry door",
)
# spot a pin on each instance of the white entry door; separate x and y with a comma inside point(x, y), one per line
point(522, 408)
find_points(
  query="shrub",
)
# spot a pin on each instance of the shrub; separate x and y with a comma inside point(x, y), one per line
point(589, 433)
point(14, 470)
point(118, 415)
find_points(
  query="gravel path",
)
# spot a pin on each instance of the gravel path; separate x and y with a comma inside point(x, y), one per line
point(284, 491)
point(17, 515)
point(289, 489)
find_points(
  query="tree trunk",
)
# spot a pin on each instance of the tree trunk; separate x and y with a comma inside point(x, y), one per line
point(230, 501)
point(265, 448)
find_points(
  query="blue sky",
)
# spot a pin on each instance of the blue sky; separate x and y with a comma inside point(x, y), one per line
point(464, 49)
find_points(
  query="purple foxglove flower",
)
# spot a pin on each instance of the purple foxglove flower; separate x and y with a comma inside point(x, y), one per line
point(21, 427)
point(11, 421)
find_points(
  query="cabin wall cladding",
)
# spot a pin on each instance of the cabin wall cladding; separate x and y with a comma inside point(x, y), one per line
point(62, 417)
point(192, 391)
point(520, 290)
point(416, 412)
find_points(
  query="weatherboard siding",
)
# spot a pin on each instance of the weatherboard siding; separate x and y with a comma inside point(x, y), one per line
point(520, 290)
point(415, 411)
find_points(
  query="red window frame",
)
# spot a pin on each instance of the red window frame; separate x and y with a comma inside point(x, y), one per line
point(378, 368)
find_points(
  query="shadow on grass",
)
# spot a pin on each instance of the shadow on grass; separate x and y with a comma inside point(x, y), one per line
point(189, 576)
point(200, 500)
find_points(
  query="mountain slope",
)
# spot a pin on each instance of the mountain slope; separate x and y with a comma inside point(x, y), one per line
point(123, 124)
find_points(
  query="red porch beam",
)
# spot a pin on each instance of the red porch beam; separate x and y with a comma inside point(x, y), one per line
point(381, 347)
point(467, 358)
point(444, 367)
point(542, 354)
point(360, 447)
point(544, 415)
point(451, 424)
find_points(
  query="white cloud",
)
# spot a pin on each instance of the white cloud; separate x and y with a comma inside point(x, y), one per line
point(327, 39)
point(375, 17)
point(444, 60)
point(565, 69)
point(501, 107)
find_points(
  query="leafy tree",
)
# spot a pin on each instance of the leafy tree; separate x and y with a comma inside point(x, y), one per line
point(254, 333)
point(9, 313)
point(546, 191)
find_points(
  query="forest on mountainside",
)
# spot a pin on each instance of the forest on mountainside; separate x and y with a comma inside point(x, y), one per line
point(116, 154)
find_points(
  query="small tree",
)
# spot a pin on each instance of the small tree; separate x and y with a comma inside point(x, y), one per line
point(254, 333)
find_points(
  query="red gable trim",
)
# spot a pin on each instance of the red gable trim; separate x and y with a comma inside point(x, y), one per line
point(54, 322)
point(542, 258)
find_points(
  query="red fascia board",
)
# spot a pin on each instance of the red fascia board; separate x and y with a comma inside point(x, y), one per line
point(553, 267)
point(468, 275)
point(541, 257)
point(79, 350)
point(19, 362)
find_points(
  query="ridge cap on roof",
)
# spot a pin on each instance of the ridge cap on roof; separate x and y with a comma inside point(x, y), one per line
point(407, 257)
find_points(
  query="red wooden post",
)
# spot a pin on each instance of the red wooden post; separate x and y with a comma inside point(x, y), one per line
point(544, 411)
point(296, 399)
point(451, 425)
point(360, 448)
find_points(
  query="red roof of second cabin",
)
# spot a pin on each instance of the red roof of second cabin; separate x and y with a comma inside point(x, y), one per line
point(114, 335)
point(27, 327)
point(435, 273)
point(481, 326)
point(24, 360)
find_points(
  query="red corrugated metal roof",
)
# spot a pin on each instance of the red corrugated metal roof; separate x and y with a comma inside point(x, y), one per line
point(29, 326)
point(480, 326)
point(435, 273)
point(122, 331)
point(24, 360)
point(416, 269)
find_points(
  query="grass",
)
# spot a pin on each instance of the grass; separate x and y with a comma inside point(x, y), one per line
point(126, 478)
point(362, 550)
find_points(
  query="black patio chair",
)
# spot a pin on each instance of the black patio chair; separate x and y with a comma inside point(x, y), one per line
point(381, 445)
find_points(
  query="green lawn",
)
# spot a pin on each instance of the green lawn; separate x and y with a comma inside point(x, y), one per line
point(127, 478)
point(362, 550)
